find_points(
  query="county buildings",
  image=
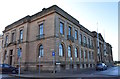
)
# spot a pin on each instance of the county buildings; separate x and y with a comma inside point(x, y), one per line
point(53, 31)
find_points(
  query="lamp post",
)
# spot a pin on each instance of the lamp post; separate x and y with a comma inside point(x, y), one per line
point(39, 63)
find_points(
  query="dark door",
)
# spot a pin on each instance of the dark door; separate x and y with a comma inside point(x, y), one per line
point(11, 53)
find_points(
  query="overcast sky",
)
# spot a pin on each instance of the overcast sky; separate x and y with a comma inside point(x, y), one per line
point(88, 13)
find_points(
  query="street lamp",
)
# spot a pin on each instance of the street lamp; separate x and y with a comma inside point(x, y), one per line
point(39, 63)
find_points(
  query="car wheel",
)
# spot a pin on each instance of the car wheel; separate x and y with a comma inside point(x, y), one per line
point(102, 69)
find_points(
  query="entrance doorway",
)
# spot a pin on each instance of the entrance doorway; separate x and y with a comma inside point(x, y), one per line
point(11, 54)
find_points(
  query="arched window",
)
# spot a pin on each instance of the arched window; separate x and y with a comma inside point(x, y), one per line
point(69, 52)
point(61, 51)
point(41, 51)
point(76, 52)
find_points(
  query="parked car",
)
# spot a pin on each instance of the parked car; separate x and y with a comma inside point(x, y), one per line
point(101, 66)
point(5, 68)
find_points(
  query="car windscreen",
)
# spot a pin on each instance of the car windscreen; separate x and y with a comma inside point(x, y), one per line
point(1, 65)
point(99, 64)
point(6, 66)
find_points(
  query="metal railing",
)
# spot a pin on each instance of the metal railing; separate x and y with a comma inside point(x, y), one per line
point(40, 36)
point(20, 40)
point(71, 38)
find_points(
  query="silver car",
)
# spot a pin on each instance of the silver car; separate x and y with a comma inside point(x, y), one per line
point(101, 66)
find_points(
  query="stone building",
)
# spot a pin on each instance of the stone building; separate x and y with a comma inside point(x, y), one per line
point(103, 51)
point(1, 41)
point(51, 30)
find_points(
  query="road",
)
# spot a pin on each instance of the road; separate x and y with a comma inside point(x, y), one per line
point(111, 72)
point(6, 76)
point(114, 71)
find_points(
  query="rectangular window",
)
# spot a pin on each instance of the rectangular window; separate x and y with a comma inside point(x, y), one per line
point(86, 54)
point(6, 40)
point(88, 41)
point(76, 34)
point(89, 55)
point(85, 40)
point(61, 28)
point(80, 38)
point(81, 53)
point(69, 31)
point(92, 43)
point(21, 35)
point(92, 55)
point(76, 53)
point(13, 37)
point(41, 29)
point(69, 52)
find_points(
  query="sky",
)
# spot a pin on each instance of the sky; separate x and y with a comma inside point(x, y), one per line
point(87, 12)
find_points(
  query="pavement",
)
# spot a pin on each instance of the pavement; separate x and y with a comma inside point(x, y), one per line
point(66, 74)
point(58, 76)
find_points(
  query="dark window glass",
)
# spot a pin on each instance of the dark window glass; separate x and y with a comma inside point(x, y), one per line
point(61, 52)
point(6, 40)
point(6, 66)
point(89, 55)
point(13, 37)
point(81, 53)
point(69, 51)
point(41, 29)
point(76, 34)
point(76, 52)
point(92, 55)
point(88, 41)
point(85, 53)
point(41, 51)
point(21, 34)
point(80, 38)
point(85, 40)
point(92, 43)
point(69, 31)
point(61, 28)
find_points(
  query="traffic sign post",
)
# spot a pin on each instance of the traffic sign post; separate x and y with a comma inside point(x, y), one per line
point(39, 64)
point(53, 54)
point(19, 56)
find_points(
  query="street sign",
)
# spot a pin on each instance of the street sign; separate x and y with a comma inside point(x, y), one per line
point(53, 53)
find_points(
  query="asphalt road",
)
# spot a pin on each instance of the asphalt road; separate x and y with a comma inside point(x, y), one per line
point(6, 76)
point(113, 73)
